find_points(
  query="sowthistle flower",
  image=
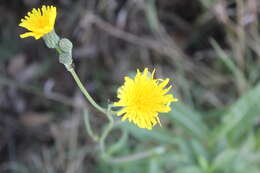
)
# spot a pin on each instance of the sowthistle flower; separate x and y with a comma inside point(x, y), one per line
point(39, 22)
point(143, 98)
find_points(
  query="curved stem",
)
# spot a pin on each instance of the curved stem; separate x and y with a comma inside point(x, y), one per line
point(84, 91)
point(107, 112)
point(88, 126)
point(107, 129)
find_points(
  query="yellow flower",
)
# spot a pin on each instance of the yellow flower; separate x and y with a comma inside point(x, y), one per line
point(143, 97)
point(39, 22)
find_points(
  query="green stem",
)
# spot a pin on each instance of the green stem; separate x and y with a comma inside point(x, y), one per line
point(106, 131)
point(88, 127)
point(84, 91)
point(107, 112)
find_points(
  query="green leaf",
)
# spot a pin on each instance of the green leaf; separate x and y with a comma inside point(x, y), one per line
point(158, 134)
point(224, 160)
point(189, 119)
point(240, 111)
point(189, 169)
point(154, 166)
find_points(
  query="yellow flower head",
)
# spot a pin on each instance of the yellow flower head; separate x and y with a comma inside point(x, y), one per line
point(143, 97)
point(39, 22)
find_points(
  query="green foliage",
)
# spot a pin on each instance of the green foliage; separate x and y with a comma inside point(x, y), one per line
point(191, 146)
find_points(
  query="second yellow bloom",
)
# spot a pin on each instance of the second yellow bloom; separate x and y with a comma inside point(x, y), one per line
point(143, 97)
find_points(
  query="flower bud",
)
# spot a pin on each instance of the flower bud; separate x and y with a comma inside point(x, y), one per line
point(65, 55)
point(65, 45)
point(66, 59)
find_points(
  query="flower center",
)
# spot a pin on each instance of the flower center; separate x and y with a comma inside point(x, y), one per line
point(143, 101)
point(42, 22)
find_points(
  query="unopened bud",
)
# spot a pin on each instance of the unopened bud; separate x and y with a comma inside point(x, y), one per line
point(65, 58)
point(65, 55)
point(65, 45)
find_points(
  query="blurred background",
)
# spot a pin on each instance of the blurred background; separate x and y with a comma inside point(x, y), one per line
point(209, 49)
